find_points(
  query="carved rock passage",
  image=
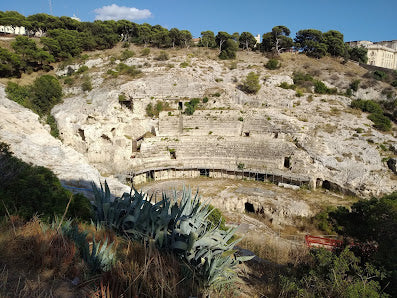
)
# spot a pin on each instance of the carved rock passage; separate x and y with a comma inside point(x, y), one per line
point(31, 142)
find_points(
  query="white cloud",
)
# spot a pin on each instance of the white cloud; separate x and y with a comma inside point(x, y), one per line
point(115, 12)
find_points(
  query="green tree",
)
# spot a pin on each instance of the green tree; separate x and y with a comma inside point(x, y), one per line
point(358, 54)
point(247, 41)
point(277, 40)
point(251, 84)
point(175, 36)
point(10, 64)
point(207, 39)
point(221, 39)
point(335, 44)
point(47, 92)
point(311, 42)
point(12, 18)
point(186, 38)
point(229, 50)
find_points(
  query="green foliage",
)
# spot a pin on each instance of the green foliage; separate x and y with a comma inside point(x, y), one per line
point(149, 110)
point(319, 87)
point(358, 54)
point(251, 83)
point(247, 41)
point(205, 99)
point(82, 69)
point(10, 64)
point(46, 92)
point(177, 225)
point(86, 85)
point(354, 85)
point(277, 40)
point(184, 64)
point(285, 85)
point(240, 118)
point(311, 42)
point(373, 225)
point(19, 94)
point(229, 50)
point(99, 258)
point(162, 56)
point(379, 75)
point(68, 81)
point(191, 106)
point(128, 70)
point(145, 52)
point(333, 274)
point(380, 121)
point(207, 39)
point(53, 125)
point(272, 64)
point(126, 54)
point(27, 190)
point(368, 106)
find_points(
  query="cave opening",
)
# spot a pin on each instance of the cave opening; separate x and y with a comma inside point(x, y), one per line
point(287, 162)
point(249, 207)
point(204, 172)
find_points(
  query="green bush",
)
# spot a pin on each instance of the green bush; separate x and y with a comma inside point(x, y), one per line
point(162, 56)
point(191, 106)
point(369, 106)
point(319, 87)
point(184, 64)
point(205, 99)
point(128, 70)
point(240, 118)
point(381, 122)
point(285, 85)
point(251, 84)
point(145, 52)
point(379, 75)
point(300, 77)
point(82, 69)
point(87, 85)
point(272, 64)
point(126, 54)
point(68, 81)
point(28, 190)
point(354, 85)
point(53, 126)
point(19, 94)
point(47, 92)
point(149, 110)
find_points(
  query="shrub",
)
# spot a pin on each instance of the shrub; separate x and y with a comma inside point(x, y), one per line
point(299, 92)
point(128, 70)
point(82, 69)
point(233, 65)
point(319, 87)
point(205, 99)
point(272, 64)
point(145, 52)
point(68, 81)
point(369, 106)
point(87, 85)
point(163, 56)
point(379, 75)
point(149, 110)
point(122, 97)
point(300, 77)
point(126, 54)
point(47, 92)
point(19, 94)
point(354, 85)
point(285, 85)
point(240, 118)
point(53, 125)
point(184, 64)
point(28, 190)
point(191, 106)
point(251, 83)
point(381, 122)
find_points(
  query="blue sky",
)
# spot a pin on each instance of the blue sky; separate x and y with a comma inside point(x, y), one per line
point(357, 20)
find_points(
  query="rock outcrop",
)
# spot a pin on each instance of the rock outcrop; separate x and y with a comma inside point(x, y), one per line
point(31, 141)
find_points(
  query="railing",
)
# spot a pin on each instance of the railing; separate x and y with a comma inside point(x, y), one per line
point(327, 243)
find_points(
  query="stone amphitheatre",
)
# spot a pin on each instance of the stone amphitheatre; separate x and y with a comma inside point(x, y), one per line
point(307, 142)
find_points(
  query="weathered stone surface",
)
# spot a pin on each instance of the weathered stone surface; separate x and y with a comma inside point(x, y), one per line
point(30, 141)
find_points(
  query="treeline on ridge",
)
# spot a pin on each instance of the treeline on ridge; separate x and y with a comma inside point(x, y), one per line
point(63, 37)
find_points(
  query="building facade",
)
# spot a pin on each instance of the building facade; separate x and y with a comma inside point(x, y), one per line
point(381, 53)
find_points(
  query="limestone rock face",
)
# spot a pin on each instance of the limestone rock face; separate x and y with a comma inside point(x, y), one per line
point(30, 141)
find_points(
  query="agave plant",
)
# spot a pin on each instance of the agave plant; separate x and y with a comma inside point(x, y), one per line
point(181, 226)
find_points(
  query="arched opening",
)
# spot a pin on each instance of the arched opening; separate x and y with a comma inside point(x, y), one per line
point(287, 162)
point(249, 207)
point(326, 184)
